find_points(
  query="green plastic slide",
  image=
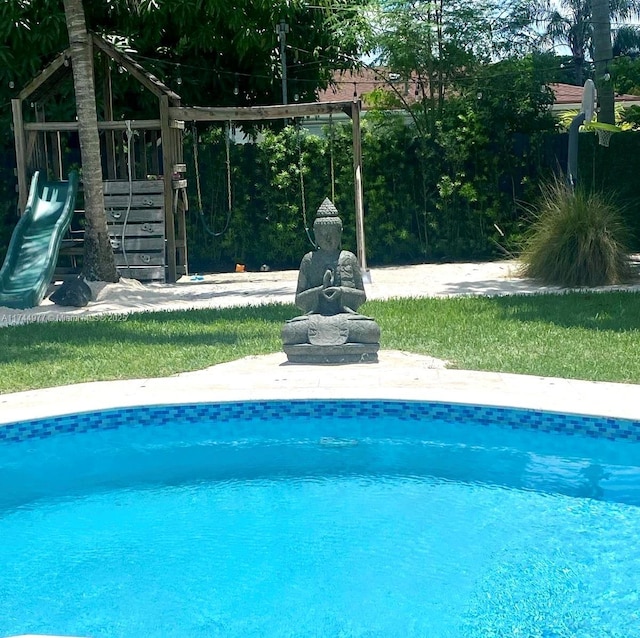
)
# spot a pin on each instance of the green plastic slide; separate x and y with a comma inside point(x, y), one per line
point(33, 249)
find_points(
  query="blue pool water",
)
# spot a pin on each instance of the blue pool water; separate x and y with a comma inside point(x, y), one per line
point(315, 526)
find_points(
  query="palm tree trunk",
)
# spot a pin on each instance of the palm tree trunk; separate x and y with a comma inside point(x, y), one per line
point(602, 55)
point(98, 263)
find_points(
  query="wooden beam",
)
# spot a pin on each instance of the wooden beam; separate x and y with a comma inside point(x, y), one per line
point(147, 80)
point(57, 155)
point(31, 140)
point(254, 113)
point(21, 153)
point(41, 155)
point(116, 125)
point(47, 73)
point(168, 160)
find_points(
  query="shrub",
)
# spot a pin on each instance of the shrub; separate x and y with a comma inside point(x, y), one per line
point(578, 238)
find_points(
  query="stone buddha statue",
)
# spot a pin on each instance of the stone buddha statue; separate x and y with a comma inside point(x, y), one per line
point(329, 292)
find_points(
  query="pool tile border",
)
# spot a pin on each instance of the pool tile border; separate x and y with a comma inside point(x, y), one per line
point(273, 410)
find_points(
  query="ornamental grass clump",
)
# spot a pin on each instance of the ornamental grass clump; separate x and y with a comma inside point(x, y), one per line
point(577, 239)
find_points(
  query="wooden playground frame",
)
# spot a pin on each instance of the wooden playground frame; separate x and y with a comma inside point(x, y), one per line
point(38, 143)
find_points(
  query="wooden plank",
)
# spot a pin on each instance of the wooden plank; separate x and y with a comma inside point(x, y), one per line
point(138, 244)
point(62, 271)
point(41, 146)
point(143, 273)
point(121, 125)
point(140, 259)
point(168, 160)
point(115, 125)
point(32, 141)
point(150, 200)
point(178, 137)
point(154, 152)
point(21, 155)
point(147, 80)
point(121, 187)
point(130, 141)
point(179, 168)
point(280, 111)
point(142, 143)
point(56, 147)
point(180, 206)
point(66, 243)
point(121, 158)
point(136, 215)
point(145, 229)
point(72, 247)
point(47, 73)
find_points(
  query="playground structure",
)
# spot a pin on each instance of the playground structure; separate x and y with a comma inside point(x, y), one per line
point(134, 154)
point(33, 249)
point(146, 181)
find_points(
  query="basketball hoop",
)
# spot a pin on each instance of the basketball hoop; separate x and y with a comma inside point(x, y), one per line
point(584, 120)
point(604, 131)
point(604, 137)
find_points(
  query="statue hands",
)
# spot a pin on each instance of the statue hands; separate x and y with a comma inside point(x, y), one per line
point(330, 292)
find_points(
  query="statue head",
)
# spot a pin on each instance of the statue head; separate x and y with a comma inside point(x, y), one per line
point(327, 226)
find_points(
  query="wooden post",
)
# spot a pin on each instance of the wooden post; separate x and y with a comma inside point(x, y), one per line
point(41, 151)
point(143, 154)
point(357, 183)
point(180, 209)
point(180, 203)
point(21, 155)
point(168, 161)
point(56, 147)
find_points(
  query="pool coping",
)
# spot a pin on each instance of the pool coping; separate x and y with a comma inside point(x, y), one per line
point(398, 375)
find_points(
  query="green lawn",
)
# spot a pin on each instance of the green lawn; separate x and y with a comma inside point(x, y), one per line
point(579, 335)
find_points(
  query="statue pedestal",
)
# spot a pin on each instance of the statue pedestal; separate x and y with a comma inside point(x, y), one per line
point(344, 353)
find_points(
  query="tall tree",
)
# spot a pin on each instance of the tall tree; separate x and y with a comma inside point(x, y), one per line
point(429, 46)
point(222, 53)
point(602, 57)
point(572, 23)
point(228, 53)
point(98, 264)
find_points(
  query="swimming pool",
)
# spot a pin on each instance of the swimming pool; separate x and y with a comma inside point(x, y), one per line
point(320, 518)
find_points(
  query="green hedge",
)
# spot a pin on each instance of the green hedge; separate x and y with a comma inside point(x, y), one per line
point(456, 196)
point(614, 171)
point(424, 201)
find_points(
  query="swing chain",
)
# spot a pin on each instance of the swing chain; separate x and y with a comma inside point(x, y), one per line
point(227, 144)
point(302, 192)
point(196, 163)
